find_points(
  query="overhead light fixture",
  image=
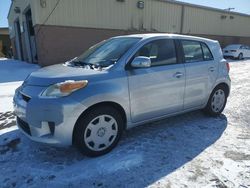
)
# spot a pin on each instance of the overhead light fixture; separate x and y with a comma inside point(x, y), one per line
point(140, 4)
point(17, 10)
point(43, 3)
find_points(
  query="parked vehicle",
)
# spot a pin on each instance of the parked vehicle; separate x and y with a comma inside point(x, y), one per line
point(118, 84)
point(236, 51)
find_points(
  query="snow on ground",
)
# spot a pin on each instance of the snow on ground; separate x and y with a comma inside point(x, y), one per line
point(190, 150)
point(12, 74)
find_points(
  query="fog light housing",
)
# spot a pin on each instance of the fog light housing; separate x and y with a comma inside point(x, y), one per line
point(47, 129)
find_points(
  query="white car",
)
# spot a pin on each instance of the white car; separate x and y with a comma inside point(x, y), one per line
point(238, 51)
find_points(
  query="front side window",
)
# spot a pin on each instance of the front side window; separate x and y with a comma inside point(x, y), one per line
point(192, 51)
point(161, 52)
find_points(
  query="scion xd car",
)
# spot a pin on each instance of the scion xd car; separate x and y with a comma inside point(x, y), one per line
point(118, 84)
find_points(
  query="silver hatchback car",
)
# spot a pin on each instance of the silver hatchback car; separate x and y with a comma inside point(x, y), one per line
point(118, 84)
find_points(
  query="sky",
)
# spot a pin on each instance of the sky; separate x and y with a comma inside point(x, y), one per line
point(242, 6)
point(4, 9)
point(239, 5)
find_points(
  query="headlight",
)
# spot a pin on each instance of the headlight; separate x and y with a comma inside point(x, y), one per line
point(63, 89)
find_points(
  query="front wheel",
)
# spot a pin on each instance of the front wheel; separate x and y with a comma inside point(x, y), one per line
point(240, 57)
point(217, 101)
point(98, 131)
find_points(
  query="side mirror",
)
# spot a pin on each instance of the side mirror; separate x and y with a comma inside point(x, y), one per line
point(141, 62)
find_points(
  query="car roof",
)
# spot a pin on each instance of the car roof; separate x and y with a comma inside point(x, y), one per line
point(173, 36)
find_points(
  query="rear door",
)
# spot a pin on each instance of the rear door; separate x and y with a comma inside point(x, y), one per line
point(158, 90)
point(201, 71)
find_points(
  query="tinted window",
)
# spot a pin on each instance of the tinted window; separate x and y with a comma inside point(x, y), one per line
point(206, 52)
point(161, 52)
point(192, 51)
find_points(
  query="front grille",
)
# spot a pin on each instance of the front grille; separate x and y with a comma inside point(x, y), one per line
point(24, 126)
point(25, 97)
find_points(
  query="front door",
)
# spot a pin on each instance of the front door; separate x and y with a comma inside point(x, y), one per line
point(158, 90)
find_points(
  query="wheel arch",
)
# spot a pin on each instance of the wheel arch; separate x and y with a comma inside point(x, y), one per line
point(224, 85)
point(115, 105)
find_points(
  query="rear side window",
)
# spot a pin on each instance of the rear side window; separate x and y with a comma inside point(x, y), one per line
point(161, 52)
point(207, 53)
point(192, 51)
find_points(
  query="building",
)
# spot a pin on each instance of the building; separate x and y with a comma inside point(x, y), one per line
point(52, 31)
point(4, 43)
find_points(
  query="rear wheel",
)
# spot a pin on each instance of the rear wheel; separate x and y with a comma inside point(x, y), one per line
point(217, 101)
point(99, 131)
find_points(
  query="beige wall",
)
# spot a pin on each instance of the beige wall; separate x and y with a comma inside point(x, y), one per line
point(110, 14)
point(156, 16)
point(209, 22)
point(75, 25)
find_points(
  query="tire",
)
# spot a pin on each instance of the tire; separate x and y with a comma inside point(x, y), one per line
point(98, 132)
point(240, 57)
point(217, 101)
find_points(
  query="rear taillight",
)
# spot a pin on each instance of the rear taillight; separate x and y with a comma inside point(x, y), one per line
point(228, 67)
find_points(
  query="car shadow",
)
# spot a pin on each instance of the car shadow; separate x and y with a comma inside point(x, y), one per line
point(13, 71)
point(144, 155)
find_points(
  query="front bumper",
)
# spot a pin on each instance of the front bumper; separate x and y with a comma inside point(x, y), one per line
point(230, 54)
point(49, 121)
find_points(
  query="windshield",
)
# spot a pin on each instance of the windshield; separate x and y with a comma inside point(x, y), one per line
point(106, 53)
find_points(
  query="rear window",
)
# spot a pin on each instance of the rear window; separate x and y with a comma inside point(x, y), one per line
point(192, 51)
point(206, 52)
point(195, 51)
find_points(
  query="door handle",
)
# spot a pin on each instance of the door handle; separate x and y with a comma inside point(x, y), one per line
point(178, 75)
point(211, 69)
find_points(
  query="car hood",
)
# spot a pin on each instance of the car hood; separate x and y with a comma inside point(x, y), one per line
point(60, 73)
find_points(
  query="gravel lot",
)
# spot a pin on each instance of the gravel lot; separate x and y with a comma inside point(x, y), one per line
point(190, 150)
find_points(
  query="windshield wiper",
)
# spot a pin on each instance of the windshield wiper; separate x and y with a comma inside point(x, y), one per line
point(102, 64)
point(76, 62)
